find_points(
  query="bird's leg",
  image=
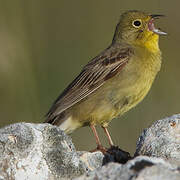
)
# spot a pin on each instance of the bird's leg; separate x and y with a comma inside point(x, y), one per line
point(99, 145)
point(96, 136)
point(108, 136)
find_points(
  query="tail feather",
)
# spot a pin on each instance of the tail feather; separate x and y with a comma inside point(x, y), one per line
point(64, 121)
point(55, 120)
point(69, 125)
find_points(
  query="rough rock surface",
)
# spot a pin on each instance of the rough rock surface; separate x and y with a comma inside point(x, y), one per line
point(42, 151)
point(140, 168)
point(162, 139)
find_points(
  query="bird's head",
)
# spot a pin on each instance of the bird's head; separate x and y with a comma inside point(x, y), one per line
point(136, 27)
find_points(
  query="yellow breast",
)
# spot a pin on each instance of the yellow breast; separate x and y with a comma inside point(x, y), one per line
point(122, 92)
point(138, 77)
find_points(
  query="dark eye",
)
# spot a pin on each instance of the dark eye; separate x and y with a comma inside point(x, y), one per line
point(137, 23)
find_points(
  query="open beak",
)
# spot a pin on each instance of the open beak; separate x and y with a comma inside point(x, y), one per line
point(151, 26)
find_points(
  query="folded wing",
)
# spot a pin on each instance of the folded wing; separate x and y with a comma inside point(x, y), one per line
point(93, 76)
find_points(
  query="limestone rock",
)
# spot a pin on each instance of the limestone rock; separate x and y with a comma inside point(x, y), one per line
point(41, 151)
point(162, 139)
point(140, 168)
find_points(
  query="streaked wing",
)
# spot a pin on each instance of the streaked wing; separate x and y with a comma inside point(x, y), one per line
point(94, 75)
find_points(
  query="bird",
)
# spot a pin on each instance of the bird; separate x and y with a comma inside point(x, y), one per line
point(114, 81)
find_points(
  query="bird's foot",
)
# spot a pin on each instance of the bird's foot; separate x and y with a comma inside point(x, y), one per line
point(115, 154)
point(100, 148)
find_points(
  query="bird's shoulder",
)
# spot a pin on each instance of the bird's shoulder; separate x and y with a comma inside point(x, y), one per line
point(111, 55)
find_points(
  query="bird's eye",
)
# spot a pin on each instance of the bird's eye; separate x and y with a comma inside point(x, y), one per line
point(137, 23)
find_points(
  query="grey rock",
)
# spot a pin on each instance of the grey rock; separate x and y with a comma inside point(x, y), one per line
point(42, 151)
point(140, 168)
point(158, 173)
point(92, 160)
point(162, 139)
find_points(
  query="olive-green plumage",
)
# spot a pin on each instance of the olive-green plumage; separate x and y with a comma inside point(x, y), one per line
point(114, 81)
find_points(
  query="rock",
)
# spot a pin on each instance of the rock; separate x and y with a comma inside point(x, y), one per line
point(140, 168)
point(42, 151)
point(162, 139)
point(92, 160)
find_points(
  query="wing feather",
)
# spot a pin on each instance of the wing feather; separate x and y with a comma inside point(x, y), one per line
point(93, 76)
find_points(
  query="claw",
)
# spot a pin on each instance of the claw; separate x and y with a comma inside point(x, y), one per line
point(100, 148)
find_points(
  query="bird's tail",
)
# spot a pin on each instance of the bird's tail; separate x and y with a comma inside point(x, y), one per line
point(65, 122)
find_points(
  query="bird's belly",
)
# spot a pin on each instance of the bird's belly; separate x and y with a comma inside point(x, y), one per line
point(112, 100)
point(94, 110)
point(131, 92)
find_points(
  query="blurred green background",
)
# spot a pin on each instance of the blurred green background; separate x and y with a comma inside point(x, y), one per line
point(44, 45)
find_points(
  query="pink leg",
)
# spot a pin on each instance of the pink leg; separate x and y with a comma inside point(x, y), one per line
point(96, 136)
point(109, 137)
